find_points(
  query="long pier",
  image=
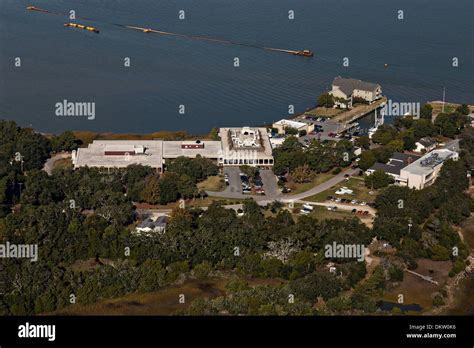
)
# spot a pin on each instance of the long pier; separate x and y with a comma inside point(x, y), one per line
point(304, 53)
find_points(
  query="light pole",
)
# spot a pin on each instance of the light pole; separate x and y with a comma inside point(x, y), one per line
point(409, 225)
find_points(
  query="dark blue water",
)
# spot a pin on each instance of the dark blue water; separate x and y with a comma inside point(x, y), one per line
point(388, 306)
point(63, 63)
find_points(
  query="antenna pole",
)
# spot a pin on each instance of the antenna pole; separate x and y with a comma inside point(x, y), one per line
point(444, 98)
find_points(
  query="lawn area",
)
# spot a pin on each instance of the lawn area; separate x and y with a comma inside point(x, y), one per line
point(361, 192)
point(63, 163)
point(298, 188)
point(417, 290)
point(213, 183)
point(323, 112)
point(322, 213)
point(448, 107)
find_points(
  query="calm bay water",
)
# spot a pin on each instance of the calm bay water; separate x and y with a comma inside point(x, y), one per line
point(62, 63)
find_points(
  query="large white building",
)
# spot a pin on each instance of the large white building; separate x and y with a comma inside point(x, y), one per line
point(415, 171)
point(345, 90)
point(120, 154)
point(238, 146)
point(424, 171)
point(246, 146)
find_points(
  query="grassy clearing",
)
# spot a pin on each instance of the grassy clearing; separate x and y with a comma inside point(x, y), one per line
point(161, 302)
point(322, 213)
point(298, 188)
point(323, 112)
point(448, 107)
point(64, 163)
point(361, 192)
point(213, 183)
point(416, 290)
point(468, 232)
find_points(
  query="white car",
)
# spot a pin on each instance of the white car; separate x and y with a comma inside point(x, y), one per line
point(304, 212)
point(308, 207)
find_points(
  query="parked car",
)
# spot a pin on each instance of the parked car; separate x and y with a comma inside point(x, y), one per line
point(354, 211)
point(260, 191)
point(308, 207)
point(285, 189)
point(334, 208)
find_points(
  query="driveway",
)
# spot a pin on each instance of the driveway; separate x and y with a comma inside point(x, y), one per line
point(321, 187)
point(49, 164)
point(269, 182)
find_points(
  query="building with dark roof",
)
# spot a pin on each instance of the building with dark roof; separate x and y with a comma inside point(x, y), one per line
point(425, 144)
point(345, 90)
point(153, 226)
point(394, 166)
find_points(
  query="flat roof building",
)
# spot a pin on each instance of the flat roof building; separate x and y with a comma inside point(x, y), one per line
point(246, 146)
point(282, 125)
point(191, 149)
point(425, 170)
point(120, 154)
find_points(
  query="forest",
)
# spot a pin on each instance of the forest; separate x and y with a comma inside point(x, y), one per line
point(76, 215)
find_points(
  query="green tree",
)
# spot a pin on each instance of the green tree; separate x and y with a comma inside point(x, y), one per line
point(326, 100)
point(152, 191)
point(463, 109)
point(426, 112)
point(378, 179)
point(367, 160)
point(363, 142)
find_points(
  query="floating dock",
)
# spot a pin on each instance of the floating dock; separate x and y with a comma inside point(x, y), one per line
point(74, 25)
point(302, 53)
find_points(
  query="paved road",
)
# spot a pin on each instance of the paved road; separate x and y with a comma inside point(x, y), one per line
point(275, 195)
point(49, 164)
point(321, 187)
point(158, 212)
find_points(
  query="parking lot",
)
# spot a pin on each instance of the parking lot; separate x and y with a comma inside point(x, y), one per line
point(234, 187)
point(327, 127)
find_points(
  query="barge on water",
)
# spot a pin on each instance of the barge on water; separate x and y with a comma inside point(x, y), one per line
point(74, 25)
point(305, 53)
